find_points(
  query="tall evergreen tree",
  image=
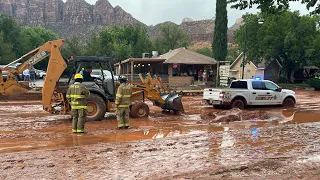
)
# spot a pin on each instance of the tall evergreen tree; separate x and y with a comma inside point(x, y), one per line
point(220, 38)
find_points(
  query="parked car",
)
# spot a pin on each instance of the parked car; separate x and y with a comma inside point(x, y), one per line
point(41, 74)
point(13, 66)
point(249, 92)
point(107, 74)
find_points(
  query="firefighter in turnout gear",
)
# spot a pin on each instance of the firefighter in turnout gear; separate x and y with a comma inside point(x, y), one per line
point(76, 95)
point(123, 102)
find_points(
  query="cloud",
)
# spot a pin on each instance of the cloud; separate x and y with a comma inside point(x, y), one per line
point(152, 12)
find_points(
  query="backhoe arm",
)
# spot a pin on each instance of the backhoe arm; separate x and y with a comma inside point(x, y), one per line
point(56, 66)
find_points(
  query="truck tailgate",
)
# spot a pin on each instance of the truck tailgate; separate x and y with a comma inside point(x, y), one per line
point(211, 94)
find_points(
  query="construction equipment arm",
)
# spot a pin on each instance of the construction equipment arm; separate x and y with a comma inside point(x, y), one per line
point(56, 66)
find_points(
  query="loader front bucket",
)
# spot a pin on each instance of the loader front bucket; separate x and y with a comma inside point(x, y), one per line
point(173, 102)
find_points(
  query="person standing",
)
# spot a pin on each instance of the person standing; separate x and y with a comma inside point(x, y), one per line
point(195, 75)
point(76, 95)
point(26, 75)
point(32, 73)
point(200, 75)
point(204, 76)
point(210, 75)
point(123, 96)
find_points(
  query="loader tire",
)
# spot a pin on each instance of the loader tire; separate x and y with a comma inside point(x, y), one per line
point(139, 110)
point(96, 108)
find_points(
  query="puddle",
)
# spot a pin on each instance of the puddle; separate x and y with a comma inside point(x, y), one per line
point(70, 140)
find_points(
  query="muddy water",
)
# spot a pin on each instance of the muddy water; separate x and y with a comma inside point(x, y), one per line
point(26, 127)
point(165, 144)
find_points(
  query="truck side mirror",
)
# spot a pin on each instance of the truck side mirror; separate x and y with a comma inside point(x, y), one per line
point(279, 89)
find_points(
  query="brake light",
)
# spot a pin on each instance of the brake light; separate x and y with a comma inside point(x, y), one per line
point(221, 95)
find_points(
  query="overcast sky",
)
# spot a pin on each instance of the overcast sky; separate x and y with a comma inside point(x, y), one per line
point(152, 12)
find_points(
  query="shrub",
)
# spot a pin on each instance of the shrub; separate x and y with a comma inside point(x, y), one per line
point(315, 83)
point(282, 79)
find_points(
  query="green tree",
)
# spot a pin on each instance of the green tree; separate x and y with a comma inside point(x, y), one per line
point(93, 46)
point(122, 51)
point(220, 38)
point(6, 54)
point(119, 42)
point(159, 46)
point(106, 42)
point(37, 36)
point(272, 6)
point(172, 37)
point(253, 37)
point(288, 37)
point(34, 38)
point(12, 34)
point(143, 43)
point(205, 51)
point(72, 47)
point(233, 53)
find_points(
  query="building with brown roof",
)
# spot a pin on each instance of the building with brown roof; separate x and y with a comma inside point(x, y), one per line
point(264, 70)
point(177, 67)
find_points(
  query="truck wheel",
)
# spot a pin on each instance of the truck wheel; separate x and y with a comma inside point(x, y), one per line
point(96, 108)
point(238, 103)
point(139, 110)
point(288, 102)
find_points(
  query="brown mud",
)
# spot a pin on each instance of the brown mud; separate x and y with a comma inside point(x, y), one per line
point(268, 143)
point(29, 96)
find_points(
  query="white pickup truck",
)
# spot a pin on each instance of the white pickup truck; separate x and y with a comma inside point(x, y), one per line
point(249, 92)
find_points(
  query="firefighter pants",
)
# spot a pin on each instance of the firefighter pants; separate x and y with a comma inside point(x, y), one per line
point(123, 117)
point(79, 118)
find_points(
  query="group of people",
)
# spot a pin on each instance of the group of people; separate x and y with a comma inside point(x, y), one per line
point(200, 76)
point(78, 93)
point(30, 75)
point(204, 76)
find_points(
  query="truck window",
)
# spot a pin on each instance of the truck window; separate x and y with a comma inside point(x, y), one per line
point(270, 86)
point(257, 85)
point(239, 85)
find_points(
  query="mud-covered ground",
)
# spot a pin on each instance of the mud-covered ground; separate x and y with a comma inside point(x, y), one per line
point(202, 143)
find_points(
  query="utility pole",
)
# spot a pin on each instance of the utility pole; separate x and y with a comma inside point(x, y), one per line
point(244, 61)
point(244, 51)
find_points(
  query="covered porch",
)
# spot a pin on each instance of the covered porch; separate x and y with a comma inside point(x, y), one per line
point(188, 74)
point(134, 66)
point(186, 67)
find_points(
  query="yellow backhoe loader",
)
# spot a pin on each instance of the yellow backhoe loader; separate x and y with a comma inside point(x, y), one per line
point(102, 89)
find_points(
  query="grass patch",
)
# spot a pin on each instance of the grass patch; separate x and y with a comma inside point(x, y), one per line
point(293, 85)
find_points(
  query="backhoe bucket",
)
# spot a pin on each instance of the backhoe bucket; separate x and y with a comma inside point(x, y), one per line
point(173, 102)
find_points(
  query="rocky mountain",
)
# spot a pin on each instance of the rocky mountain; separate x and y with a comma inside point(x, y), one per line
point(74, 17)
point(72, 12)
point(77, 17)
point(200, 31)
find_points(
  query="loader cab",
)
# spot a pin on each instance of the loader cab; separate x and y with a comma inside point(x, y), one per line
point(97, 73)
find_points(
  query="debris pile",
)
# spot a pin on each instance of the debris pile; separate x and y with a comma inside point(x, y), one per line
point(232, 115)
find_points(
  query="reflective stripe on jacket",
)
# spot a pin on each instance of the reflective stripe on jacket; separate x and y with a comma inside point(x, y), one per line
point(123, 96)
point(76, 95)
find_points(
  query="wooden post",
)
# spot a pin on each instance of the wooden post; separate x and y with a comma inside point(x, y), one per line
point(132, 70)
point(217, 77)
point(128, 68)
